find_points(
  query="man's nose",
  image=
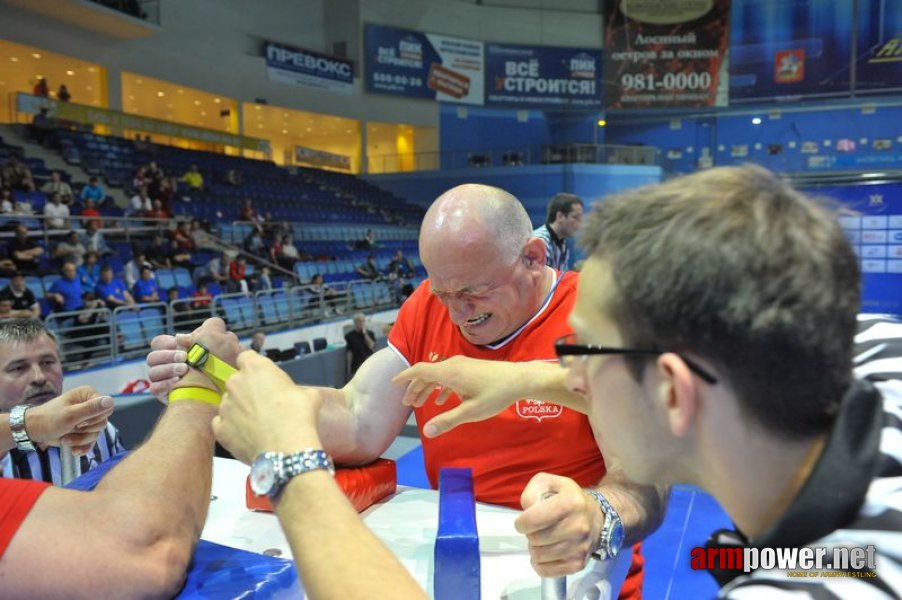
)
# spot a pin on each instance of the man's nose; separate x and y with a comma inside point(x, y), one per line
point(37, 375)
point(460, 309)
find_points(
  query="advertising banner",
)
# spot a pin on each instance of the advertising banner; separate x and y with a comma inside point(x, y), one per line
point(542, 76)
point(786, 49)
point(320, 158)
point(879, 64)
point(660, 54)
point(423, 65)
point(287, 64)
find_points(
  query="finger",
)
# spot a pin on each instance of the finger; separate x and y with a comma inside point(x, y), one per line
point(163, 342)
point(417, 371)
point(165, 357)
point(183, 340)
point(97, 424)
point(167, 372)
point(413, 391)
point(161, 389)
point(82, 450)
point(558, 568)
point(76, 440)
point(539, 486)
point(443, 395)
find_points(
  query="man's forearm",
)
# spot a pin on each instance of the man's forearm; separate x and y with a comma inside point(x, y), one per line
point(641, 507)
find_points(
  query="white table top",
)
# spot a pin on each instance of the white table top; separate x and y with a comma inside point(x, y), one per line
point(407, 523)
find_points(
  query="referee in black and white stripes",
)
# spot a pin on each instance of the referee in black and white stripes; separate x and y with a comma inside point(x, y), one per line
point(31, 373)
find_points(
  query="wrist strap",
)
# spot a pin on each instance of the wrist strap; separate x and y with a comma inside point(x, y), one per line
point(197, 394)
point(214, 367)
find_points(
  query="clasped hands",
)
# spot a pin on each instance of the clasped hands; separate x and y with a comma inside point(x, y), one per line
point(262, 409)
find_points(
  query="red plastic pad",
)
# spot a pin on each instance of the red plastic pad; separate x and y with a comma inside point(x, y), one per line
point(364, 486)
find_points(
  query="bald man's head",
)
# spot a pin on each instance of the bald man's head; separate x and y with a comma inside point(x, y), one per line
point(482, 261)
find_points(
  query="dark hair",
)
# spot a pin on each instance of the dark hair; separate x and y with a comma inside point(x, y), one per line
point(561, 202)
point(736, 266)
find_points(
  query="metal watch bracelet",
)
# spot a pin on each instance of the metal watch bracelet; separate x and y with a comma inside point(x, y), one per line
point(17, 428)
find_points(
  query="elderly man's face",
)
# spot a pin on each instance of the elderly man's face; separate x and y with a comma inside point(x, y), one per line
point(30, 372)
point(69, 271)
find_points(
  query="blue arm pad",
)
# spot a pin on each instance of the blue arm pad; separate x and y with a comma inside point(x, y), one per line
point(457, 543)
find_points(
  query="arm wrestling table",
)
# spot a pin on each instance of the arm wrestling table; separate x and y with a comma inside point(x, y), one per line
point(244, 554)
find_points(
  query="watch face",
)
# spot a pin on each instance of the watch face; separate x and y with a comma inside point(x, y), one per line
point(616, 539)
point(263, 475)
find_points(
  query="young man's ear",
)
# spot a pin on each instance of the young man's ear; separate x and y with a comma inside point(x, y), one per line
point(677, 391)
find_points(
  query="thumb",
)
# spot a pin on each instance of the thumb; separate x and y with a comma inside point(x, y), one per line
point(539, 488)
point(89, 409)
point(447, 421)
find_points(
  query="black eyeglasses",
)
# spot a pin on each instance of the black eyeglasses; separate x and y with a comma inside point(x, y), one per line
point(566, 346)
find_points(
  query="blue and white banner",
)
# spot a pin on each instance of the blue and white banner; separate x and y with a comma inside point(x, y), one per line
point(542, 76)
point(423, 65)
point(311, 69)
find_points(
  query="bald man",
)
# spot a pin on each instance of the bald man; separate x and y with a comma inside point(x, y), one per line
point(490, 295)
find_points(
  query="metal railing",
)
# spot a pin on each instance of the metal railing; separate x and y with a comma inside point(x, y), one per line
point(514, 157)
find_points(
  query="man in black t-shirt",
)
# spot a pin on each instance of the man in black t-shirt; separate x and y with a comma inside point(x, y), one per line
point(24, 251)
point(24, 304)
point(361, 343)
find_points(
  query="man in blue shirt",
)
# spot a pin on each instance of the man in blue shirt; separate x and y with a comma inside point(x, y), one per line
point(92, 191)
point(112, 290)
point(146, 288)
point(66, 293)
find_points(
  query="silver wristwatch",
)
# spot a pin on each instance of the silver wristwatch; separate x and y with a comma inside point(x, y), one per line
point(17, 428)
point(610, 540)
point(272, 470)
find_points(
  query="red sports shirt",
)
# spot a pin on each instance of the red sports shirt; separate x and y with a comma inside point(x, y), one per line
point(17, 496)
point(530, 436)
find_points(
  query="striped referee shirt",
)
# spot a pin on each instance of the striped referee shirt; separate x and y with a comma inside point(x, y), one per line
point(44, 465)
point(557, 252)
point(853, 497)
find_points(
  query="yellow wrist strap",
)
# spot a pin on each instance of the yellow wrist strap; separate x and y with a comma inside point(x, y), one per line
point(197, 394)
point(216, 369)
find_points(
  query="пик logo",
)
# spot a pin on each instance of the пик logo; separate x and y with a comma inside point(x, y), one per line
point(582, 66)
point(410, 48)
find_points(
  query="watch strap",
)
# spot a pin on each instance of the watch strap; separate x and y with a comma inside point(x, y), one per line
point(291, 465)
point(218, 370)
point(17, 428)
point(603, 549)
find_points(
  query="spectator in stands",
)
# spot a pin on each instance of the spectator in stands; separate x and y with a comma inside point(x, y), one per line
point(285, 253)
point(253, 243)
point(264, 281)
point(17, 175)
point(179, 257)
point(182, 315)
point(140, 179)
point(42, 127)
point(7, 265)
point(63, 93)
point(238, 275)
point(89, 213)
point(201, 300)
point(22, 300)
point(140, 204)
point(181, 235)
point(368, 241)
point(158, 212)
point(248, 212)
point(194, 181)
point(70, 249)
point(167, 192)
point(234, 177)
point(23, 207)
point(158, 254)
point(400, 266)
point(146, 288)
point(133, 268)
point(66, 294)
point(565, 214)
point(25, 252)
point(41, 88)
point(112, 290)
point(361, 343)
point(329, 297)
point(94, 240)
point(257, 341)
point(56, 213)
point(6, 308)
point(6, 202)
point(217, 269)
point(59, 186)
point(89, 272)
point(93, 192)
point(369, 269)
